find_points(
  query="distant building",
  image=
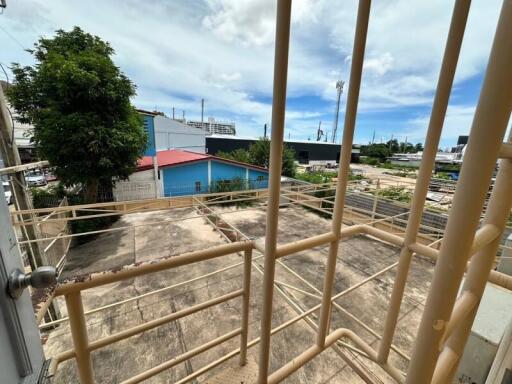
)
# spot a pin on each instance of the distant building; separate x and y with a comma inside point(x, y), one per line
point(414, 159)
point(212, 127)
point(306, 152)
point(462, 140)
point(177, 172)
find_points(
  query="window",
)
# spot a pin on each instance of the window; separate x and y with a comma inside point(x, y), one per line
point(260, 178)
point(198, 186)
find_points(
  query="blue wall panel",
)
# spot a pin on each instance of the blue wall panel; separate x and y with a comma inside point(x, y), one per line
point(149, 128)
point(225, 171)
point(181, 179)
point(258, 179)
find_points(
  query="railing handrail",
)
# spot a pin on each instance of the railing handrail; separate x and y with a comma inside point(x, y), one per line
point(83, 282)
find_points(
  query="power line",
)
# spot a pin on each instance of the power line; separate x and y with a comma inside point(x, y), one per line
point(13, 38)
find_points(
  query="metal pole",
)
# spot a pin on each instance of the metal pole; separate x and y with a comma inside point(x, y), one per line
point(276, 154)
point(444, 85)
point(363, 15)
point(245, 305)
point(489, 126)
point(79, 336)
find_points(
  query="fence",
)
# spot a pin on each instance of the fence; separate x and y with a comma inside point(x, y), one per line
point(55, 226)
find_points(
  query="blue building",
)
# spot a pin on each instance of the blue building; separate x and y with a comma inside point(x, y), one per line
point(186, 173)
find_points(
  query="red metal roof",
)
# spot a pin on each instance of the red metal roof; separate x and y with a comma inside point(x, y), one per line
point(177, 156)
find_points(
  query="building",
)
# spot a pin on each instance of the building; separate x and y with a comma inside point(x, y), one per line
point(414, 159)
point(166, 133)
point(306, 152)
point(212, 127)
point(178, 173)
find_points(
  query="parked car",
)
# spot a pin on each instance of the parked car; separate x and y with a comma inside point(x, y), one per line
point(35, 178)
point(9, 198)
point(50, 175)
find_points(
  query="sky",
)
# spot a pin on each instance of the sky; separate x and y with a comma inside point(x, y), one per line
point(178, 52)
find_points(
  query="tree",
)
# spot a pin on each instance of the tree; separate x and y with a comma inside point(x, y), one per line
point(379, 151)
point(393, 145)
point(241, 155)
point(79, 103)
point(258, 153)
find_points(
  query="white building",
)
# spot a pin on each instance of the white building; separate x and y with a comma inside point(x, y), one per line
point(173, 134)
point(414, 159)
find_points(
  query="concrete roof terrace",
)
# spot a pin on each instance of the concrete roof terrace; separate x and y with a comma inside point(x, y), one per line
point(299, 281)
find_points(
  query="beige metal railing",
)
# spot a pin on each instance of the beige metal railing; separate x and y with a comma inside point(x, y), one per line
point(82, 346)
point(461, 239)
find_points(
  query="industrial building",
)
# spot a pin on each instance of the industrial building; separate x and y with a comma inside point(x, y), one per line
point(298, 284)
point(306, 152)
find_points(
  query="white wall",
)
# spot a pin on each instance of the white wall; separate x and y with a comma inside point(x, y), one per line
point(171, 134)
point(141, 185)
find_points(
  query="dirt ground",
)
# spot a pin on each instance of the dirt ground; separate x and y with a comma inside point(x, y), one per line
point(359, 257)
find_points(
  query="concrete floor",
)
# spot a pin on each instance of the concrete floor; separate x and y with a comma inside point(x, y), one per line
point(359, 257)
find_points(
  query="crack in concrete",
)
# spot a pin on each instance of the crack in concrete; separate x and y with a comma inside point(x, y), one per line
point(181, 338)
point(137, 302)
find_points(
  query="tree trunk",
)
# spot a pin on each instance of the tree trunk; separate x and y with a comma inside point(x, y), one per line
point(91, 191)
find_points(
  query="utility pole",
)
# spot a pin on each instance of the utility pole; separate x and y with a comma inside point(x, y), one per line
point(11, 157)
point(173, 113)
point(183, 115)
point(202, 110)
point(373, 138)
point(339, 88)
point(265, 131)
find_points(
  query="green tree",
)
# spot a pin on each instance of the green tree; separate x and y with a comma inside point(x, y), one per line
point(241, 155)
point(259, 154)
point(79, 103)
point(393, 145)
point(379, 151)
point(418, 147)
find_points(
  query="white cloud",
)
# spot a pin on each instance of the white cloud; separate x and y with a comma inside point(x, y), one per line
point(222, 50)
point(457, 122)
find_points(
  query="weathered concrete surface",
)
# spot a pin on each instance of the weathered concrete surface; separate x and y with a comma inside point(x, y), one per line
point(359, 257)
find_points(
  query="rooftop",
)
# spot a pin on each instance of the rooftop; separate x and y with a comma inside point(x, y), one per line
point(172, 157)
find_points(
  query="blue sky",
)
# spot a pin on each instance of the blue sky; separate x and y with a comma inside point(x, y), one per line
point(178, 52)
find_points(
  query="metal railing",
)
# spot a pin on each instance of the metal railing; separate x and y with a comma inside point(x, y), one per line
point(460, 241)
point(82, 346)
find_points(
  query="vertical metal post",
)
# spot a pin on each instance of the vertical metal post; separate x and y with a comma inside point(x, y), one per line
point(79, 335)
point(375, 200)
point(356, 70)
point(246, 286)
point(481, 264)
point(444, 85)
point(487, 131)
point(276, 154)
